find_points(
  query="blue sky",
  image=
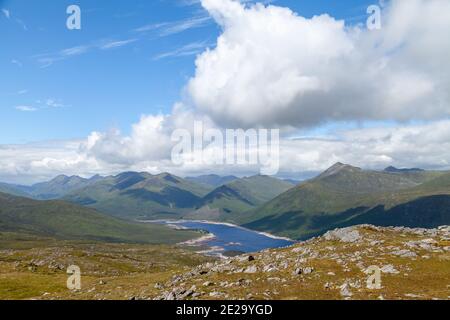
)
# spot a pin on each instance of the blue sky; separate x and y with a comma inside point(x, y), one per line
point(339, 91)
point(130, 58)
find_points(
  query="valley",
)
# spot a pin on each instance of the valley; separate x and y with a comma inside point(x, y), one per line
point(413, 263)
point(208, 236)
point(342, 195)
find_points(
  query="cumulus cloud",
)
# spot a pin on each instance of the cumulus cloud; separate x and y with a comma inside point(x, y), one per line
point(150, 139)
point(426, 146)
point(26, 108)
point(273, 67)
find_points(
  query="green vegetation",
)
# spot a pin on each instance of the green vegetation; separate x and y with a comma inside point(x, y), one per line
point(413, 264)
point(212, 180)
point(232, 199)
point(63, 220)
point(53, 189)
point(12, 189)
point(341, 196)
point(33, 267)
point(344, 195)
point(140, 195)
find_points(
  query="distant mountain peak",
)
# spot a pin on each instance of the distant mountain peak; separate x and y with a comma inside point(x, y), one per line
point(95, 178)
point(169, 177)
point(61, 177)
point(392, 169)
point(338, 167)
point(127, 174)
point(212, 180)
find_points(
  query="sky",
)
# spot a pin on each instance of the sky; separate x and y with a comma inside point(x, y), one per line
point(105, 98)
point(102, 88)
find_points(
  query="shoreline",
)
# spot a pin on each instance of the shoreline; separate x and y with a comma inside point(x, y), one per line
point(175, 222)
point(197, 241)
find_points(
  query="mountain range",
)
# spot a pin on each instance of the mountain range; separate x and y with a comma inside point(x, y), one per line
point(212, 180)
point(342, 195)
point(345, 195)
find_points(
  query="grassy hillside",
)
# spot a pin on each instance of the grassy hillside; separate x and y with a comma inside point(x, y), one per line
point(164, 196)
point(35, 268)
point(49, 190)
point(13, 190)
point(59, 186)
point(63, 220)
point(212, 180)
point(413, 264)
point(345, 195)
point(244, 194)
point(140, 195)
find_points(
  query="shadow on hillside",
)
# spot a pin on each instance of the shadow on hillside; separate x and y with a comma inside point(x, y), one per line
point(425, 212)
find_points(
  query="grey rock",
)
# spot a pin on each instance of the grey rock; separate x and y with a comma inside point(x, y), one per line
point(251, 269)
point(208, 284)
point(405, 253)
point(345, 290)
point(348, 235)
point(389, 269)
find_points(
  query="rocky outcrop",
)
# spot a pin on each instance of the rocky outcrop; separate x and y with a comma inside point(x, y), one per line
point(335, 266)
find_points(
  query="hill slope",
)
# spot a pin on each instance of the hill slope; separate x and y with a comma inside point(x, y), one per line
point(239, 196)
point(413, 264)
point(140, 195)
point(345, 195)
point(63, 220)
point(13, 190)
point(212, 180)
point(49, 190)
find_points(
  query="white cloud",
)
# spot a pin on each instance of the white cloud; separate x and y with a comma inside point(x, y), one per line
point(273, 67)
point(29, 163)
point(46, 60)
point(117, 44)
point(165, 29)
point(189, 49)
point(148, 148)
point(53, 103)
point(150, 138)
point(26, 108)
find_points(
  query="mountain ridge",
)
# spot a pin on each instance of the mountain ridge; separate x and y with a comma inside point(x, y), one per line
point(344, 195)
point(62, 220)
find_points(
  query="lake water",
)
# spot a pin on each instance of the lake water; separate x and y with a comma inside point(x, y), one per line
point(226, 238)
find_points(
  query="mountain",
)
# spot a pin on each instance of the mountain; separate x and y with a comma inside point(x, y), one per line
point(239, 196)
point(292, 181)
point(134, 195)
point(396, 170)
point(345, 195)
point(212, 180)
point(140, 195)
point(15, 190)
point(59, 186)
point(49, 190)
point(61, 220)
